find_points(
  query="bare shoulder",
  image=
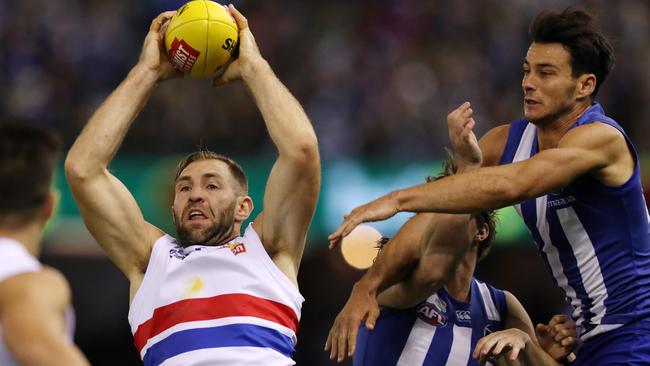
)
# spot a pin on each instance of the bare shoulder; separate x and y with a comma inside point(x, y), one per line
point(596, 134)
point(47, 284)
point(493, 143)
point(606, 146)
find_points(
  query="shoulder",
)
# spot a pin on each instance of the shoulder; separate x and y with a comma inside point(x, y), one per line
point(514, 308)
point(493, 143)
point(594, 134)
point(605, 143)
point(45, 285)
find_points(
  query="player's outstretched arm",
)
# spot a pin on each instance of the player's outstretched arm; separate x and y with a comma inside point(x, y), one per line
point(32, 307)
point(596, 149)
point(294, 183)
point(109, 211)
point(515, 345)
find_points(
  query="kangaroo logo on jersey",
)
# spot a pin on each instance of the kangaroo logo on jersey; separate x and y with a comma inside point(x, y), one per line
point(237, 248)
point(433, 312)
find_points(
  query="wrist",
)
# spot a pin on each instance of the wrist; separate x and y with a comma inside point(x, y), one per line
point(143, 75)
point(254, 67)
point(364, 287)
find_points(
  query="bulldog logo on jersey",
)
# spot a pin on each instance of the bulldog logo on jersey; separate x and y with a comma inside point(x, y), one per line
point(433, 312)
point(237, 248)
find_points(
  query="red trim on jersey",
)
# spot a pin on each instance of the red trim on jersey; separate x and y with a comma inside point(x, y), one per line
point(216, 307)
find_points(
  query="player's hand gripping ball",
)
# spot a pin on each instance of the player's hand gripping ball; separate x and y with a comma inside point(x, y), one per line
point(200, 38)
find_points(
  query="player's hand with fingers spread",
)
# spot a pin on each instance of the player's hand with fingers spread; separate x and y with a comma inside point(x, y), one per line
point(558, 338)
point(493, 345)
point(377, 210)
point(153, 57)
point(460, 124)
point(249, 55)
point(362, 305)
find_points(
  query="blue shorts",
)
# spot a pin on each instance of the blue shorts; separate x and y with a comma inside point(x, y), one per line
point(628, 345)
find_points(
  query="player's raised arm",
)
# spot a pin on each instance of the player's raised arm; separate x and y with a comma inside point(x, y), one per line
point(108, 209)
point(294, 183)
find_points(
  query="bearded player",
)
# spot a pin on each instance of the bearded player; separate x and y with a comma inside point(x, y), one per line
point(210, 296)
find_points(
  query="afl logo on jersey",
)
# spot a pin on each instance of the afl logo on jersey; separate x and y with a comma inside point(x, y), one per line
point(237, 248)
point(433, 313)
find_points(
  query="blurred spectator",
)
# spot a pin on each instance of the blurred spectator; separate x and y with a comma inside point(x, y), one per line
point(373, 75)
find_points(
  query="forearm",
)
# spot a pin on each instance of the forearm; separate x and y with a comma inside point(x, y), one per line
point(98, 142)
point(473, 191)
point(286, 121)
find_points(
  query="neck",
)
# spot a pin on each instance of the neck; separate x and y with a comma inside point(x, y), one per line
point(28, 236)
point(550, 132)
point(459, 285)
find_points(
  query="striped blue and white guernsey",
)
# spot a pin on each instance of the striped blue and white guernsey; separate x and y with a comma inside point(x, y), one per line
point(594, 239)
point(439, 331)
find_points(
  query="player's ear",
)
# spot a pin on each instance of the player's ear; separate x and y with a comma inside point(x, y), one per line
point(482, 232)
point(243, 208)
point(50, 204)
point(586, 84)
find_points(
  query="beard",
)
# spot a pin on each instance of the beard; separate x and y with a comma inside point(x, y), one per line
point(221, 229)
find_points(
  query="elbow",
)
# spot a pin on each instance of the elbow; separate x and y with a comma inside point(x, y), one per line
point(74, 169)
point(78, 169)
point(306, 151)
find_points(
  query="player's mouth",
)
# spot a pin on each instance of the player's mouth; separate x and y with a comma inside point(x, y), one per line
point(531, 102)
point(196, 214)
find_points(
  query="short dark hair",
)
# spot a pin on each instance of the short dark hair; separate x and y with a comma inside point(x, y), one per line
point(28, 156)
point(450, 167)
point(235, 169)
point(590, 50)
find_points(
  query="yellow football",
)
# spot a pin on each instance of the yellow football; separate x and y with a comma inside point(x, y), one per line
point(200, 38)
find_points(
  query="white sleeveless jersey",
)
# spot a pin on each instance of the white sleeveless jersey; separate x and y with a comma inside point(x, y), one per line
point(15, 260)
point(215, 305)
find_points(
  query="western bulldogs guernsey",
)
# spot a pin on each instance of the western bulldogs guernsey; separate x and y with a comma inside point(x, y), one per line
point(215, 305)
point(439, 331)
point(594, 239)
point(15, 260)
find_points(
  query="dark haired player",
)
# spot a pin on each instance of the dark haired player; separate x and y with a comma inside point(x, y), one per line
point(573, 175)
point(36, 320)
point(435, 311)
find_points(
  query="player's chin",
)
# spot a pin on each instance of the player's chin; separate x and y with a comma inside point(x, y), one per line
point(532, 113)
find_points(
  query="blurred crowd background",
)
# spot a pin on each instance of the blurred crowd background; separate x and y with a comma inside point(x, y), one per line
point(377, 79)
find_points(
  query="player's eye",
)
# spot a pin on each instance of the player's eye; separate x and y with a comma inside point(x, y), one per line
point(184, 189)
point(212, 186)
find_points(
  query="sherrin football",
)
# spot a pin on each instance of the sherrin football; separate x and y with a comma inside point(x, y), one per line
point(200, 38)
